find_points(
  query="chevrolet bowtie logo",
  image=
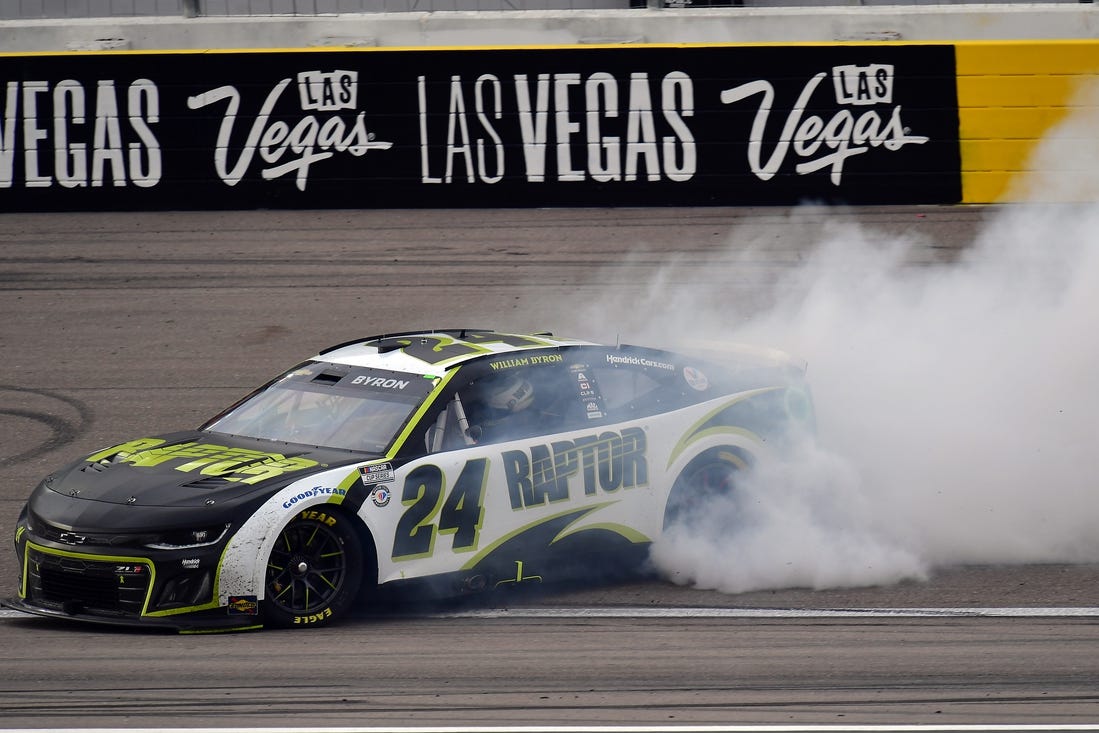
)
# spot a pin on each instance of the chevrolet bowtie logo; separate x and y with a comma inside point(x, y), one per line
point(71, 538)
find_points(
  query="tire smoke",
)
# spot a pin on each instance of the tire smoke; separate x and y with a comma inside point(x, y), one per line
point(957, 401)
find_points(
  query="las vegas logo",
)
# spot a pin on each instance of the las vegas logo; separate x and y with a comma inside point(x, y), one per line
point(820, 144)
point(291, 149)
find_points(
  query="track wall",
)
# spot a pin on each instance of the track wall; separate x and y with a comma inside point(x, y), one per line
point(1014, 94)
point(617, 125)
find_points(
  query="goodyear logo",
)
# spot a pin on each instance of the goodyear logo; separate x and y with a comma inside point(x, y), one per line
point(551, 472)
point(311, 493)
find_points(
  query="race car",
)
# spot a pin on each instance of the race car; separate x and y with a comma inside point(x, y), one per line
point(462, 460)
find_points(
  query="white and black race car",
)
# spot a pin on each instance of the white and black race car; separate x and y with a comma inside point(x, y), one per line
point(464, 459)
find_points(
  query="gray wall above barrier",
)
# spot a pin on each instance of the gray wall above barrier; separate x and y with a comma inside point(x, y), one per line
point(641, 25)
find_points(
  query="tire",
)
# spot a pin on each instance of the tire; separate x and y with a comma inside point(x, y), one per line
point(712, 474)
point(313, 572)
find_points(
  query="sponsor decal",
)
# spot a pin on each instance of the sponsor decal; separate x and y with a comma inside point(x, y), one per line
point(313, 618)
point(243, 465)
point(190, 562)
point(376, 474)
point(586, 390)
point(695, 379)
point(285, 148)
point(319, 516)
point(605, 462)
point(618, 360)
point(863, 120)
point(380, 496)
point(313, 492)
point(243, 606)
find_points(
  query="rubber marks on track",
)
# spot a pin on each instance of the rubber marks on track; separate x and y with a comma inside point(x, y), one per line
point(43, 420)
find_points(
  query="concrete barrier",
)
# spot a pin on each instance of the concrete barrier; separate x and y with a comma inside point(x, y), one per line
point(696, 25)
point(1028, 115)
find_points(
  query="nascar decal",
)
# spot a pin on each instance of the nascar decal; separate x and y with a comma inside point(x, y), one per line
point(243, 465)
point(293, 149)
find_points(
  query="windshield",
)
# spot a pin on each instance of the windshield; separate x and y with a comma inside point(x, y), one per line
point(330, 405)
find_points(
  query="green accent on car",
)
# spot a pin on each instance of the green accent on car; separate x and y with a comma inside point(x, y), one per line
point(228, 630)
point(215, 593)
point(417, 417)
point(132, 446)
point(629, 533)
point(580, 512)
point(119, 559)
point(700, 430)
point(350, 480)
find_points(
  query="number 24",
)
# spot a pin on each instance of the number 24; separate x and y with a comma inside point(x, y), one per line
point(461, 514)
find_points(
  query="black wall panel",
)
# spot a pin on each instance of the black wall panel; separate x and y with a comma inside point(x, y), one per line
point(606, 126)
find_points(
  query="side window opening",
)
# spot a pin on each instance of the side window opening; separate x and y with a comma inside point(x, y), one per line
point(521, 403)
point(451, 430)
point(629, 393)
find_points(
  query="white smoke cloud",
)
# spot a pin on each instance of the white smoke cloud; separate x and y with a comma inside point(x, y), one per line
point(958, 403)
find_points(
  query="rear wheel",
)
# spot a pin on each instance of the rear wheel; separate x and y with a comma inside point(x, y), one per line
point(711, 475)
point(314, 571)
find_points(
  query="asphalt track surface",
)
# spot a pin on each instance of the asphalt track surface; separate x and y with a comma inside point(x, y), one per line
point(124, 325)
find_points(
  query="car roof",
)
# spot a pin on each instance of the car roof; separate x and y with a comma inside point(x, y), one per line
point(432, 352)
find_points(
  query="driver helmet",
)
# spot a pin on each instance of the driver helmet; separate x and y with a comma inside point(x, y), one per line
point(510, 394)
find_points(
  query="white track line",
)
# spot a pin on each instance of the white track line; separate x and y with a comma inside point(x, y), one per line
point(748, 613)
point(598, 729)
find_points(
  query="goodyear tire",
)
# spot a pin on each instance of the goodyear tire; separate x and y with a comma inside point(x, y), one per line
point(314, 570)
point(712, 474)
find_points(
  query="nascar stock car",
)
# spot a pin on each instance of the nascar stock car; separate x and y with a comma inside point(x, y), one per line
point(460, 459)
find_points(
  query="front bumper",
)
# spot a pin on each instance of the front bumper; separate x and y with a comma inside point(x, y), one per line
point(174, 589)
point(198, 622)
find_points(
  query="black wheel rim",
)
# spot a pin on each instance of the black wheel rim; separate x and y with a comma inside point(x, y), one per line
point(306, 568)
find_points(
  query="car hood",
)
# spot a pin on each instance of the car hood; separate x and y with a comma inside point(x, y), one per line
point(191, 469)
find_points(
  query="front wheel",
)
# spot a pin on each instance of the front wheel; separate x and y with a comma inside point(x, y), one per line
point(314, 571)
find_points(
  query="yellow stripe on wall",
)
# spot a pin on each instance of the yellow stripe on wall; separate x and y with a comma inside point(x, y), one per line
point(1011, 94)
